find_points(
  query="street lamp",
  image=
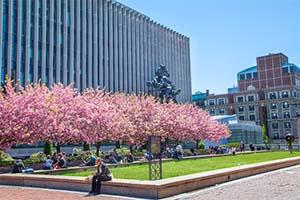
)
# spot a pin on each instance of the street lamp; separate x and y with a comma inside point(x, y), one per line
point(290, 139)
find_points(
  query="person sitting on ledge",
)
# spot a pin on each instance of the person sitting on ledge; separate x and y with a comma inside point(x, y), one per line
point(19, 166)
point(112, 159)
point(102, 174)
point(91, 161)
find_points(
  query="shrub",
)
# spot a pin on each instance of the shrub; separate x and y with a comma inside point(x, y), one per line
point(6, 159)
point(202, 151)
point(233, 144)
point(81, 155)
point(138, 152)
point(36, 158)
point(123, 151)
point(201, 145)
point(187, 152)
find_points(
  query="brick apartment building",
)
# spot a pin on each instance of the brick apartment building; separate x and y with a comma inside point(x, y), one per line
point(268, 93)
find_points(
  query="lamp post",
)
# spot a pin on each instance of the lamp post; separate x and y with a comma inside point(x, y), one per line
point(290, 139)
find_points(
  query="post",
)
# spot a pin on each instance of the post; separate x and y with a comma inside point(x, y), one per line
point(290, 139)
point(154, 158)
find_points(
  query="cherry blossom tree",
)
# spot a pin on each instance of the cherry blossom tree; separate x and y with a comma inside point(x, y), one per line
point(63, 115)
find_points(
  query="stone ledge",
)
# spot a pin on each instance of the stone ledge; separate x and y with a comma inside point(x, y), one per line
point(149, 189)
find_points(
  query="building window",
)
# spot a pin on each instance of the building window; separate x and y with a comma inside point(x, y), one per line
point(251, 108)
point(242, 118)
point(222, 111)
point(248, 76)
point(212, 112)
point(273, 106)
point(254, 74)
point(211, 102)
point(285, 94)
point(287, 125)
point(274, 125)
point(272, 95)
point(285, 70)
point(240, 99)
point(275, 135)
point(221, 101)
point(242, 76)
point(252, 117)
point(241, 108)
point(250, 98)
point(286, 115)
point(274, 116)
point(285, 105)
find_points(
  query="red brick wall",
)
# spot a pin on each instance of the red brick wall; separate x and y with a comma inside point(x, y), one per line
point(270, 73)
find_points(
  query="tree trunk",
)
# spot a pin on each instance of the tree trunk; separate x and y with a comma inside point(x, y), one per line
point(57, 148)
point(197, 144)
point(48, 148)
point(131, 149)
point(118, 145)
point(86, 146)
point(98, 144)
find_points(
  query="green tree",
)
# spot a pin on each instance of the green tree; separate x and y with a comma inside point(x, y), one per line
point(265, 135)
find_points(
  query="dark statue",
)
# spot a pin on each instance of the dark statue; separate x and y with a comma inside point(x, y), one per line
point(161, 82)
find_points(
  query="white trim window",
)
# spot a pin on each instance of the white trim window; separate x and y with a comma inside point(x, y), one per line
point(211, 102)
point(221, 101)
point(240, 99)
point(285, 94)
point(272, 95)
point(251, 98)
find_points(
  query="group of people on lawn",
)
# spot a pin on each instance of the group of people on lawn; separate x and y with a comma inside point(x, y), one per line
point(56, 161)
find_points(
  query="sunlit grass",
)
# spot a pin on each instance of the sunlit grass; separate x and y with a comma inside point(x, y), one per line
point(184, 167)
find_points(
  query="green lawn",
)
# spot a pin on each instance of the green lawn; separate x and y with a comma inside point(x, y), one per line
point(184, 167)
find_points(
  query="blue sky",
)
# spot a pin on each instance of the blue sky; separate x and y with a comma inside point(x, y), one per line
point(227, 35)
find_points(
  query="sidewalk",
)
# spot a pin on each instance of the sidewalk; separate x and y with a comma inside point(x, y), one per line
point(23, 193)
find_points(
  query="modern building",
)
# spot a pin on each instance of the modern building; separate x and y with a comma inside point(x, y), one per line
point(246, 131)
point(268, 94)
point(90, 43)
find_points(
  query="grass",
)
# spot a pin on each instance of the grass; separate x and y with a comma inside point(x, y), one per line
point(185, 167)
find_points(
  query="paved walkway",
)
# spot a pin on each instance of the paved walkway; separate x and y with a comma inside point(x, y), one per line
point(278, 185)
point(23, 193)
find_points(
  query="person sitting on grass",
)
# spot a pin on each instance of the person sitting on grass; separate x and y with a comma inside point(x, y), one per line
point(102, 174)
point(112, 158)
point(91, 161)
point(54, 159)
point(178, 152)
point(129, 158)
point(48, 163)
point(61, 162)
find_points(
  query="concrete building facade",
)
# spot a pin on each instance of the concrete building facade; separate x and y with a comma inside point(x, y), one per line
point(90, 43)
